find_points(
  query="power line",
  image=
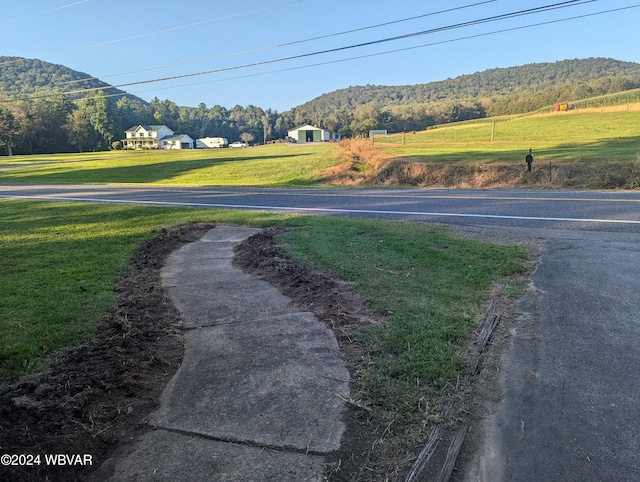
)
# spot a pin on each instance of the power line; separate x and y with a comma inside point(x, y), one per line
point(375, 42)
point(519, 13)
point(286, 44)
point(42, 13)
point(155, 32)
point(405, 49)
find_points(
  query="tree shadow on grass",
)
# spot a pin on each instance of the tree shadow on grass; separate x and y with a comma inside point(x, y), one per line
point(142, 173)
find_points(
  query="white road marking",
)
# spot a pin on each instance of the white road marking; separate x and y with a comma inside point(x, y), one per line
point(326, 210)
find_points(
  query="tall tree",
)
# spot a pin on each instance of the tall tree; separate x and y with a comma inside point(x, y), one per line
point(101, 115)
point(44, 124)
point(201, 118)
point(80, 130)
point(8, 130)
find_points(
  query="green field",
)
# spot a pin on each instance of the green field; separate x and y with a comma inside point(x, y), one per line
point(558, 137)
point(584, 139)
point(579, 136)
point(271, 165)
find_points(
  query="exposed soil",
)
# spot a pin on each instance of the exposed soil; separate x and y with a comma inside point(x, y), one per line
point(92, 398)
point(95, 397)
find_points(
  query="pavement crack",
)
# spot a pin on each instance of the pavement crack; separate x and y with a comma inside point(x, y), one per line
point(247, 443)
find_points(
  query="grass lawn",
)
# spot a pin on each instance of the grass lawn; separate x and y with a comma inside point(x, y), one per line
point(582, 138)
point(430, 284)
point(270, 165)
point(60, 262)
point(571, 136)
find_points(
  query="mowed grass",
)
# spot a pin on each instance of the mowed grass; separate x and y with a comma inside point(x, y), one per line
point(270, 165)
point(564, 136)
point(583, 137)
point(432, 287)
point(60, 262)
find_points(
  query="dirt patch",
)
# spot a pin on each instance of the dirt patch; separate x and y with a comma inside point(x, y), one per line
point(94, 397)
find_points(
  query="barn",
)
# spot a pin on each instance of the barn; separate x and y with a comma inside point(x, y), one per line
point(309, 133)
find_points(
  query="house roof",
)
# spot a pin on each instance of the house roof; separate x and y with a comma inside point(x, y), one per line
point(176, 137)
point(309, 127)
point(147, 127)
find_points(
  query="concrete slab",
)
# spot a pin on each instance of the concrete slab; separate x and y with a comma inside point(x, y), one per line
point(274, 382)
point(209, 295)
point(163, 456)
point(229, 234)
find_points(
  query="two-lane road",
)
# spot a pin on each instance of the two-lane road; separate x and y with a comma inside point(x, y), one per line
point(609, 211)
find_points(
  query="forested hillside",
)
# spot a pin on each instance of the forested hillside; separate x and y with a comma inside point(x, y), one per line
point(39, 113)
point(483, 94)
point(21, 77)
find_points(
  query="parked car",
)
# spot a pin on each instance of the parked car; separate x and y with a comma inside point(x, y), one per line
point(238, 144)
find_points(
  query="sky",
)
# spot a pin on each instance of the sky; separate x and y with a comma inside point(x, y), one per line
point(279, 54)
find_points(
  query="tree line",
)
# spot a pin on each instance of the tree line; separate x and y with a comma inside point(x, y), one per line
point(96, 122)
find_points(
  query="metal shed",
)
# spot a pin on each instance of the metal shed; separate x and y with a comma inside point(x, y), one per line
point(309, 133)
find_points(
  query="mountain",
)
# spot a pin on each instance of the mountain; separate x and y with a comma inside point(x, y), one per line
point(20, 77)
point(491, 92)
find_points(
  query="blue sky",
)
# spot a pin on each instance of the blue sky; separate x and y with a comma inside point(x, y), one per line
point(131, 41)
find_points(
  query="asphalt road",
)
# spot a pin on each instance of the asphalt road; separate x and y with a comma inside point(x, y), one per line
point(569, 374)
point(581, 210)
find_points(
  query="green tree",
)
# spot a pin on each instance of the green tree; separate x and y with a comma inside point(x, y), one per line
point(100, 114)
point(365, 118)
point(44, 124)
point(79, 130)
point(201, 118)
point(8, 130)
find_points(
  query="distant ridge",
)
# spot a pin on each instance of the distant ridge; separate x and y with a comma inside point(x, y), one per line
point(531, 78)
point(20, 77)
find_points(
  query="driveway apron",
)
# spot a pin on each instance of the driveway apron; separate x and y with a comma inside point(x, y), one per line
point(570, 377)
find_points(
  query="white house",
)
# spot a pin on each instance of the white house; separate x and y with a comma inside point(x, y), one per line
point(155, 137)
point(309, 133)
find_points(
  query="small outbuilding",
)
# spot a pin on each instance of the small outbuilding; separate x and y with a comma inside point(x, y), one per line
point(309, 133)
point(177, 141)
